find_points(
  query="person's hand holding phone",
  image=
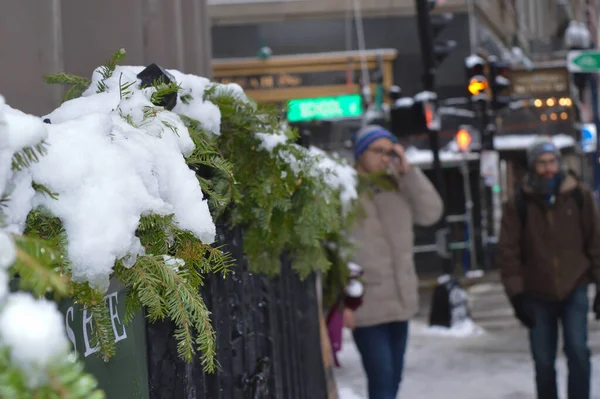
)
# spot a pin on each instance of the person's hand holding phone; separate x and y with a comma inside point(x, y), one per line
point(400, 162)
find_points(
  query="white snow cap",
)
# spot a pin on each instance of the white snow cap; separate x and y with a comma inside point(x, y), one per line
point(337, 173)
point(35, 333)
point(473, 60)
point(355, 289)
point(17, 131)
point(355, 269)
point(404, 102)
point(426, 96)
point(129, 163)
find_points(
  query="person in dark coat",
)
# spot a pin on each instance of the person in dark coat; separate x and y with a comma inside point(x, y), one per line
point(548, 253)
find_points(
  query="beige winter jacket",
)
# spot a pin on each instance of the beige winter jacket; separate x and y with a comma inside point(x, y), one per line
point(385, 248)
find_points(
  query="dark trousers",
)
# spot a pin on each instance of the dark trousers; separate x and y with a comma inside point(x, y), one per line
point(382, 349)
point(573, 314)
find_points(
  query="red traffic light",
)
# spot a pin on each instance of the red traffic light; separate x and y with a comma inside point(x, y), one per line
point(463, 139)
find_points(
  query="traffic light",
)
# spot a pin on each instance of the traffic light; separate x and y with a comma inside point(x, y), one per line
point(401, 117)
point(463, 139)
point(477, 83)
point(410, 116)
point(433, 50)
point(438, 23)
point(499, 83)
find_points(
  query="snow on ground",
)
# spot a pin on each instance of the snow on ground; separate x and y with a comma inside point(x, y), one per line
point(453, 368)
point(486, 360)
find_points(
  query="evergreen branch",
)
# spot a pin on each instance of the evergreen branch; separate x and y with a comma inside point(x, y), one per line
point(280, 197)
point(40, 188)
point(72, 93)
point(35, 264)
point(132, 306)
point(108, 68)
point(186, 98)
point(4, 199)
point(218, 195)
point(40, 222)
point(166, 290)
point(201, 257)
point(70, 380)
point(162, 90)
point(67, 79)
point(125, 88)
point(102, 333)
point(28, 155)
point(64, 379)
point(78, 84)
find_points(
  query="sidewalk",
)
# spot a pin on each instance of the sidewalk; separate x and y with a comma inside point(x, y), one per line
point(495, 364)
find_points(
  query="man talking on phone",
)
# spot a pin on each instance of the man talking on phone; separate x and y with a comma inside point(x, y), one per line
point(399, 196)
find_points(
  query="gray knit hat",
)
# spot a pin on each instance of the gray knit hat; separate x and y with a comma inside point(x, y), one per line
point(539, 147)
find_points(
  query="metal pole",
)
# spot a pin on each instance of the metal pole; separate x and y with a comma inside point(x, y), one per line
point(426, 42)
point(464, 168)
point(594, 92)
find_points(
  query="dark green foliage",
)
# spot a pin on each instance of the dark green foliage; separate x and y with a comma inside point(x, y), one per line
point(66, 379)
point(283, 206)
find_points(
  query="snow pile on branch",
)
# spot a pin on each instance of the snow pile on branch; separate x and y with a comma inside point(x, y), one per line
point(336, 172)
point(33, 330)
point(112, 157)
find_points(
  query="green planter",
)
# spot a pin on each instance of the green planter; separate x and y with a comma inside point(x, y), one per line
point(125, 375)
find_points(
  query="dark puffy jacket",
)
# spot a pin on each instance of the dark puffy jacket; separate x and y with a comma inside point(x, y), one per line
point(557, 247)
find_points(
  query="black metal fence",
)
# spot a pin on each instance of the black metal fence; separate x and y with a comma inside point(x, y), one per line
point(268, 339)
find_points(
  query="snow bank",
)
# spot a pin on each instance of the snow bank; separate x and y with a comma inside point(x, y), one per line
point(467, 328)
point(113, 157)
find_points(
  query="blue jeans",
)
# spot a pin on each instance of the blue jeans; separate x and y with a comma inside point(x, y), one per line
point(573, 313)
point(382, 349)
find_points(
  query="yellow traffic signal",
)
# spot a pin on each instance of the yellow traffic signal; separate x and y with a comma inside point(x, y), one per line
point(463, 139)
point(477, 85)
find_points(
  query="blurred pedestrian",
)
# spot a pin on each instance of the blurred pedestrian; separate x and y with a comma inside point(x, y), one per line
point(549, 252)
point(398, 197)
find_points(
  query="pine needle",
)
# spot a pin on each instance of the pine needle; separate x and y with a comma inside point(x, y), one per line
point(28, 155)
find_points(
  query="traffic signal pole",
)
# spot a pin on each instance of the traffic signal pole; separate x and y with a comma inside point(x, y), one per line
point(428, 64)
point(488, 131)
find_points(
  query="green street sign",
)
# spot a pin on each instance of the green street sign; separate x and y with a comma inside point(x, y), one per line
point(310, 109)
point(583, 61)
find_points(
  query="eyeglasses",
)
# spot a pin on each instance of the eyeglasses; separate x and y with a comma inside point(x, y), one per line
point(381, 152)
point(547, 162)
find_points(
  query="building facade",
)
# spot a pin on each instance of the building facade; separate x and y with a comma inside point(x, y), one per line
point(39, 38)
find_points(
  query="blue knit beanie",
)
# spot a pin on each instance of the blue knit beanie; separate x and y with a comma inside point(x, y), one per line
point(367, 135)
